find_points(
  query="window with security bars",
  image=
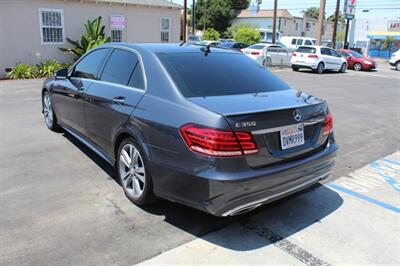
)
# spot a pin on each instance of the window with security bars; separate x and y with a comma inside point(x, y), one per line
point(51, 26)
point(116, 35)
point(165, 27)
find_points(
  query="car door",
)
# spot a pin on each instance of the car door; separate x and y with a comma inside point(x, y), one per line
point(336, 59)
point(299, 42)
point(112, 99)
point(284, 56)
point(272, 52)
point(68, 94)
point(327, 57)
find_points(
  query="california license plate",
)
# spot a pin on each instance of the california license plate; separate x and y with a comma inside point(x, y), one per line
point(292, 136)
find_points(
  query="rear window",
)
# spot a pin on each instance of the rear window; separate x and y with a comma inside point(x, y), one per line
point(198, 75)
point(257, 46)
point(306, 50)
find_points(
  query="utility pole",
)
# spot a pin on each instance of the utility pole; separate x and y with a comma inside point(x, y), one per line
point(335, 24)
point(193, 19)
point(184, 20)
point(321, 20)
point(346, 46)
point(274, 22)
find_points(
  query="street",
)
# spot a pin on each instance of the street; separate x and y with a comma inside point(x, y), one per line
point(60, 202)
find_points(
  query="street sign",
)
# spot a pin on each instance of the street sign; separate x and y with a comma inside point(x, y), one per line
point(349, 9)
point(117, 22)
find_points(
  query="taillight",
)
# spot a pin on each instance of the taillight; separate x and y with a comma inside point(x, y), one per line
point(255, 53)
point(216, 142)
point(312, 56)
point(294, 54)
point(328, 124)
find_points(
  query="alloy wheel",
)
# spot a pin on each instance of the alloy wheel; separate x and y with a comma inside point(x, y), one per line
point(48, 110)
point(132, 171)
point(398, 66)
point(357, 67)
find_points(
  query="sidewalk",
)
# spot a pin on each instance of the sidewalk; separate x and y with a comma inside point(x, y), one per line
point(353, 220)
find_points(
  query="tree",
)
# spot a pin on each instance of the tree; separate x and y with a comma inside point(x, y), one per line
point(217, 14)
point(231, 30)
point(93, 37)
point(211, 35)
point(311, 12)
point(331, 18)
point(248, 36)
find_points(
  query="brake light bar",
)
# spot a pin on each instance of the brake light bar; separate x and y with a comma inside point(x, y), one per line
point(312, 56)
point(216, 142)
point(328, 125)
point(294, 54)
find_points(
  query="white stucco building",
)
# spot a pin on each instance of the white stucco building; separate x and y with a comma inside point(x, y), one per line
point(32, 30)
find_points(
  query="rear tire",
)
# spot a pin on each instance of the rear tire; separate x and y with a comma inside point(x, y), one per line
point(343, 68)
point(267, 62)
point(320, 68)
point(133, 173)
point(48, 112)
point(357, 67)
point(398, 65)
point(295, 68)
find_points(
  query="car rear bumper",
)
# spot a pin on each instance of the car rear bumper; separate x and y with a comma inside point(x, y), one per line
point(304, 65)
point(241, 190)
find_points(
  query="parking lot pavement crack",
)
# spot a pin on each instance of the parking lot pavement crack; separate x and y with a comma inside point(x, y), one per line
point(287, 246)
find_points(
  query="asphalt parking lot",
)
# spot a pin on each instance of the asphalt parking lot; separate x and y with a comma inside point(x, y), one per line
point(60, 203)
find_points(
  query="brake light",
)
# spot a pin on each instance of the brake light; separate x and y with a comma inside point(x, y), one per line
point(328, 124)
point(312, 56)
point(215, 142)
point(294, 54)
point(255, 53)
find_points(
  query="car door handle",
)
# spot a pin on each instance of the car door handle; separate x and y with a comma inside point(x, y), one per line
point(119, 100)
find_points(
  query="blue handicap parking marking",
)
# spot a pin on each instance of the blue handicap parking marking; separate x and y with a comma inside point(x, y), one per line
point(373, 177)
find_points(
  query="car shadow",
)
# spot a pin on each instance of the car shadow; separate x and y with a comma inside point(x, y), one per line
point(271, 222)
point(310, 71)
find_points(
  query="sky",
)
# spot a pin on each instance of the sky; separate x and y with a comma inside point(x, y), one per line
point(377, 8)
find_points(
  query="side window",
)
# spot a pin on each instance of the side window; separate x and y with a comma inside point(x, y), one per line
point(90, 65)
point(294, 41)
point(136, 80)
point(325, 51)
point(308, 42)
point(334, 53)
point(119, 67)
point(299, 42)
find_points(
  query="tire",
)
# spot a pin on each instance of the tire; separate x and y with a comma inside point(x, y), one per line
point(357, 67)
point(134, 175)
point(398, 65)
point(295, 68)
point(320, 68)
point(343, 68)
point(48, 112)
point(267, 62)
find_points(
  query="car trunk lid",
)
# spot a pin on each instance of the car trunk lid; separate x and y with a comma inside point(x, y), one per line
point(270, 115)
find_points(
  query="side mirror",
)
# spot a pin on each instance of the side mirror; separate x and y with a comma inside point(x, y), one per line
point(62, 73)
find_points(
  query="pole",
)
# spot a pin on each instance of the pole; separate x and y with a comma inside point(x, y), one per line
point(274, 22)
point(184, 20)
point(346, 46)
point(321, 20)
point(335, 24)
point(193, 19)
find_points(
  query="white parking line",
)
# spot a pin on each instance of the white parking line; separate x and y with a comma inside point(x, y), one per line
point(393, 76)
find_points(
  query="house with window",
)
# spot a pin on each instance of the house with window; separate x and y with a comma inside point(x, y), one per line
point(32, 30)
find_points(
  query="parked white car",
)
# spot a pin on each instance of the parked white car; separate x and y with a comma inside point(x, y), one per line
point(293, 42)
point(268, 54)
point(395, 60)
point(210, 43)
point(318, 58)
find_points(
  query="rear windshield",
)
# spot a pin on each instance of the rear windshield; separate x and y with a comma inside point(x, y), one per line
point(306, 50)
point(256, 46)
point(218, 73)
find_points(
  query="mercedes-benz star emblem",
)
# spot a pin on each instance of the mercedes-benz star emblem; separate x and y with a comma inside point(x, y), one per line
point(297, 115)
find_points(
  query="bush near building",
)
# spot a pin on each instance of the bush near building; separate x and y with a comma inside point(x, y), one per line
point(211, 35)
point(248, 36)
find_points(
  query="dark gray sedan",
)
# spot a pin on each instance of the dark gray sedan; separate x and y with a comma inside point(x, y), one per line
point(206, 127)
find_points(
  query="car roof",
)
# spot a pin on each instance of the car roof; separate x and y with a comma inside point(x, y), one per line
point(165, 47)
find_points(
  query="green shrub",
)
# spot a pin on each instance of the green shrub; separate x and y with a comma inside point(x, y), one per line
point(23, 71)
point(211, 35)
point(248, 36)
point(48, 68)
point(93, 37)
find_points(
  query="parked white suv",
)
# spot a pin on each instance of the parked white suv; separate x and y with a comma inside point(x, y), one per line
point(395, 60)
point(293, 42)
point(318, 58)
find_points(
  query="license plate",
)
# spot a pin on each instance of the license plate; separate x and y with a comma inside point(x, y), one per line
point(292, 136)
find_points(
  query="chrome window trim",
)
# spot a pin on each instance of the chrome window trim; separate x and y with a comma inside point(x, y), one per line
point(260, 201)
point(112, 47)
point(276, 129)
